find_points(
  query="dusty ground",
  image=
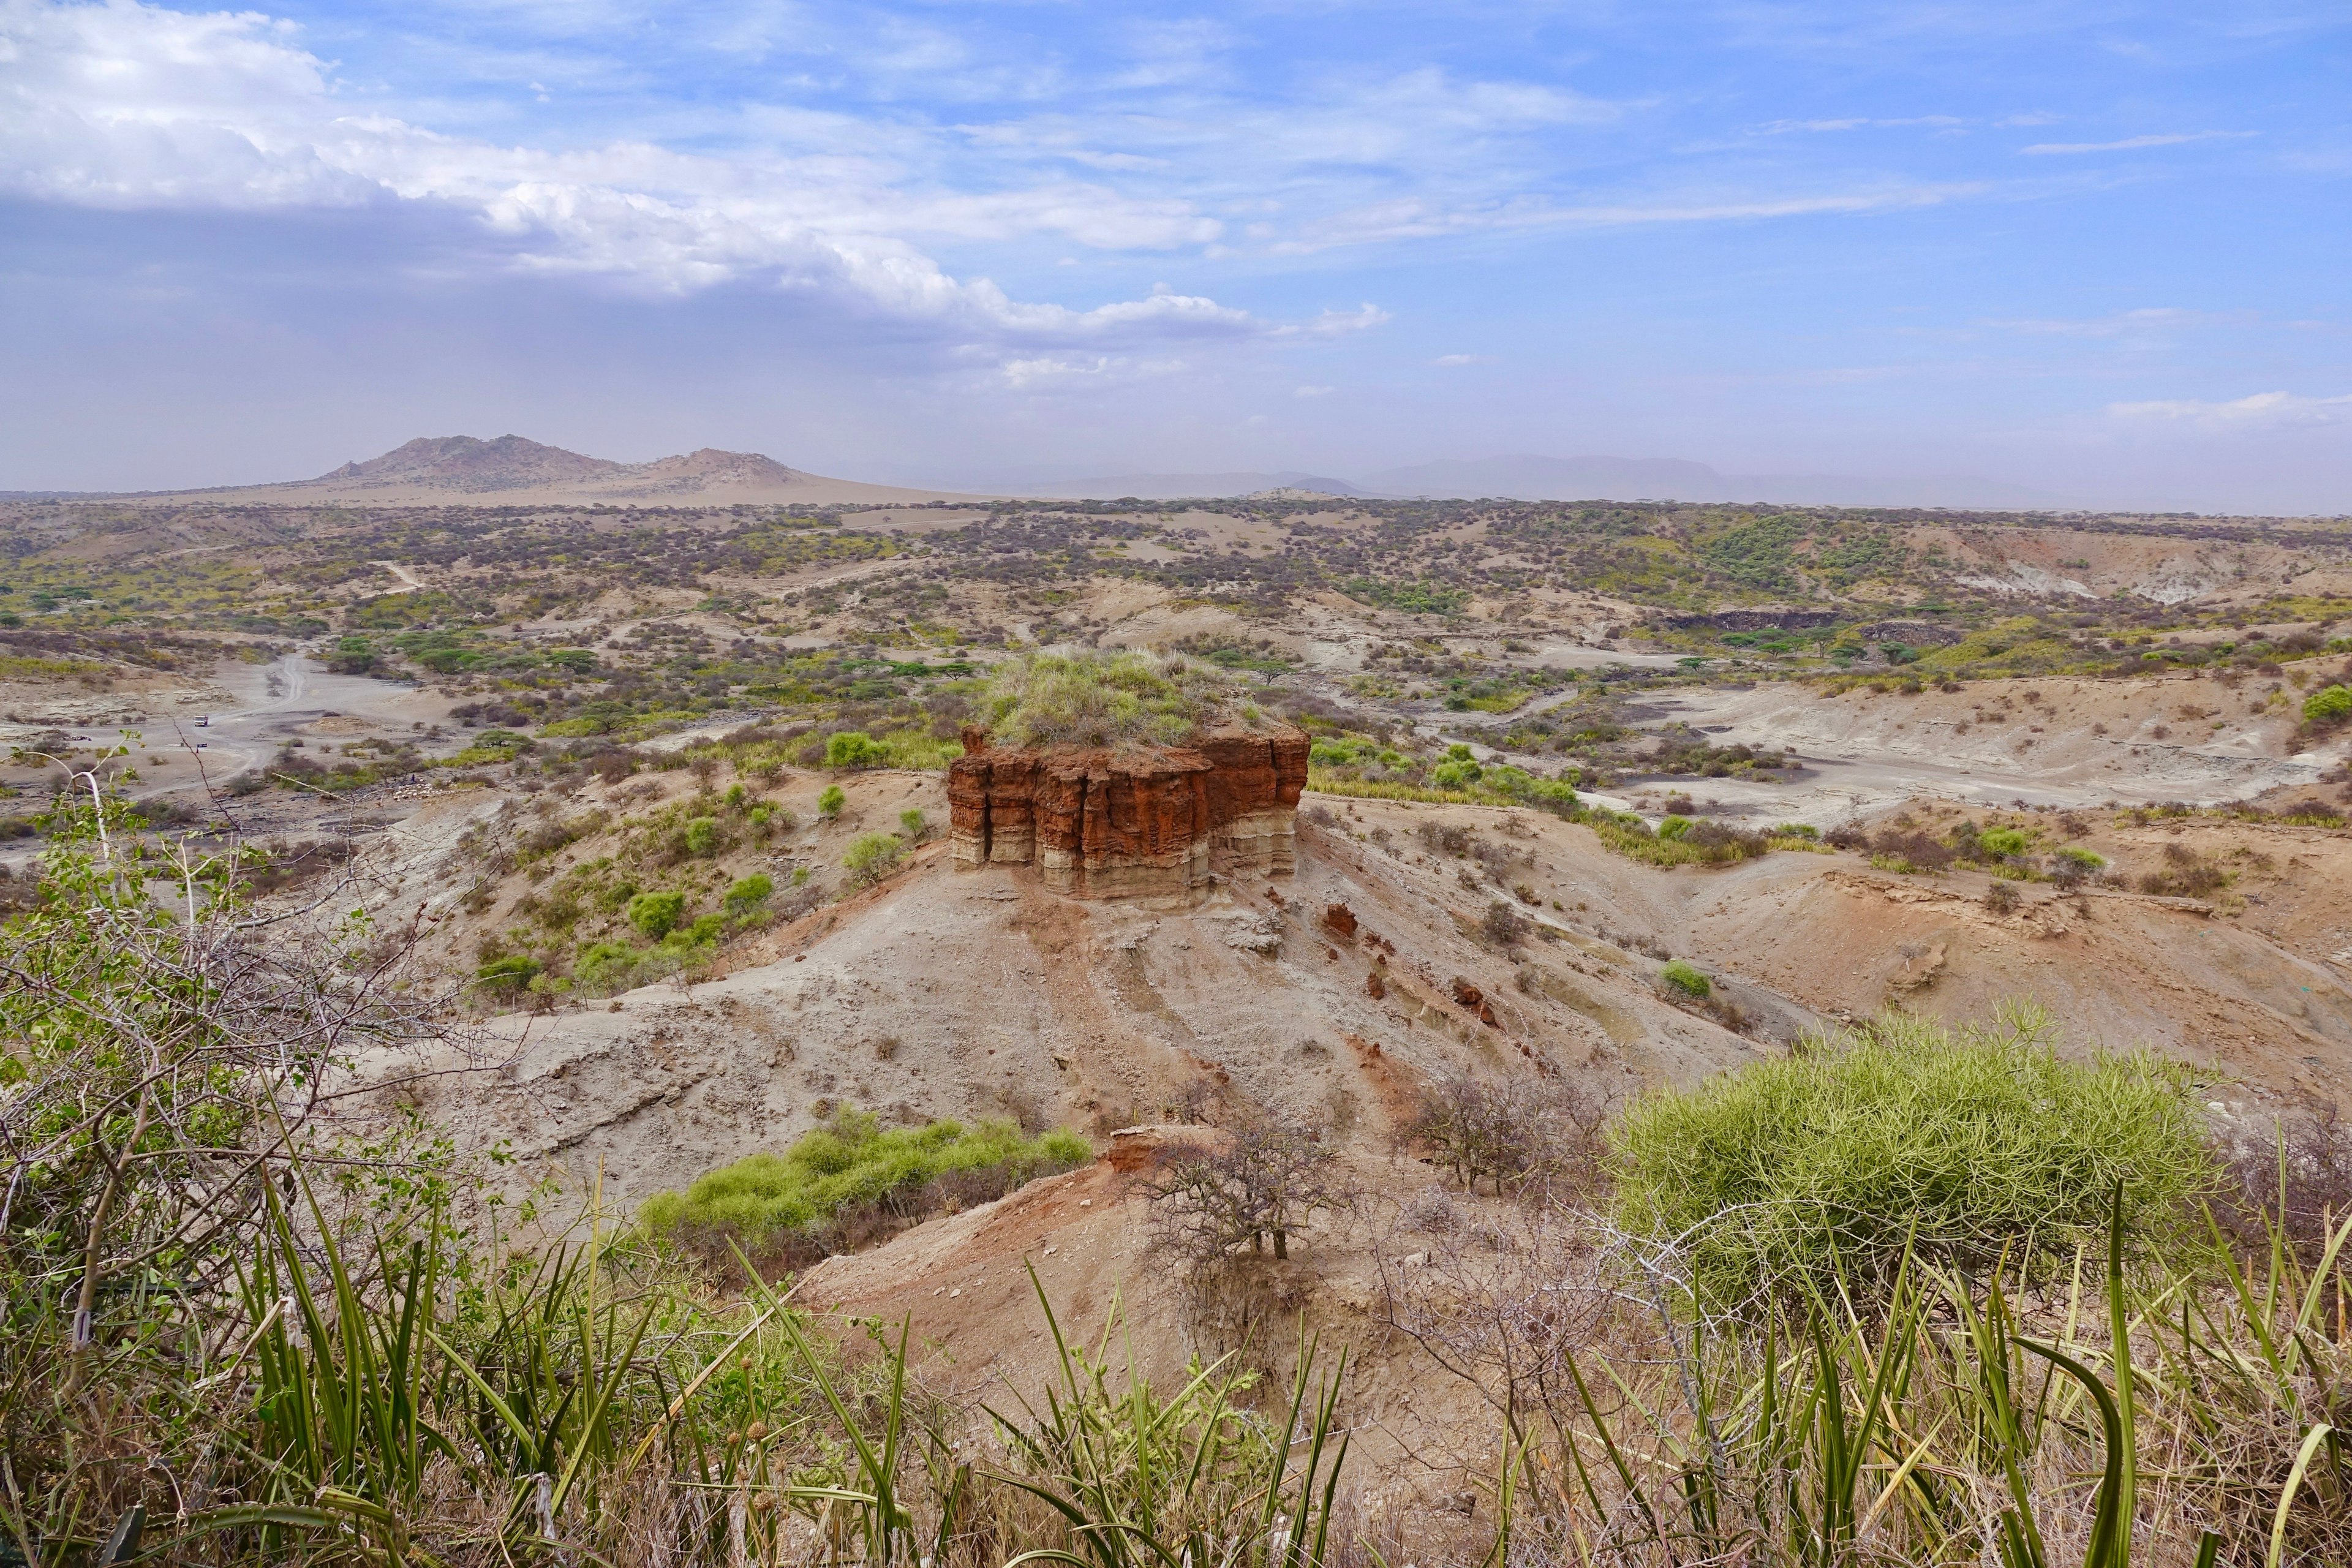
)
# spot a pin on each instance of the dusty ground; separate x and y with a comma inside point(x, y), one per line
point(2051, 741)
point(946, 993)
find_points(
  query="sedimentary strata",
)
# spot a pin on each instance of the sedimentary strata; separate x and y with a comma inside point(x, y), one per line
point(1144, 822)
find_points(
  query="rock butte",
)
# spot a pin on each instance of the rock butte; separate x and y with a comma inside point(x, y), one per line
point(1151, 822)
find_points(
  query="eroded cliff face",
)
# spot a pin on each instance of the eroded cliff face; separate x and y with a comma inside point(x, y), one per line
point(1149, 823)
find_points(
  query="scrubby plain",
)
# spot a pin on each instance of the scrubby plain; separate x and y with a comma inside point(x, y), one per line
point(1796, 1037)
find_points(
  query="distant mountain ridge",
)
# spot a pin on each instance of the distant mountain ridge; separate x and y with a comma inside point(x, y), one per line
point(467, 464)
point(513, 469)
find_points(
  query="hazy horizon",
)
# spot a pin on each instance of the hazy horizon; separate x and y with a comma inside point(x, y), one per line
point(2089, 252)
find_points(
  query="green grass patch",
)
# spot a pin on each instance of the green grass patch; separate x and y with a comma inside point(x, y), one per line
point(912, 747)
point(800, 1200)
point(1413, 598)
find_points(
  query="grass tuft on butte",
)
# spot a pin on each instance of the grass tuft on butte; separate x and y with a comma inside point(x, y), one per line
point(1102, 700)
point(1819, 1169)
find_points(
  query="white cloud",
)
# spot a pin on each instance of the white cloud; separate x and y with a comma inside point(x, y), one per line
point(2132, 143)
point(1784, 127)
point(1335, 323)
point(130, 106)
point(1451, 359)
point(2141, 329)
point(1313, 391)
point(1417, 218)
point(2263, 410)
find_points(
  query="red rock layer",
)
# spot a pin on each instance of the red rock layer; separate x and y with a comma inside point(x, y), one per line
point(1144, 823)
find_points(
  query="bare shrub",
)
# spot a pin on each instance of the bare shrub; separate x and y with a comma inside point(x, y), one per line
point(1503, 1303)
point(2299, 1180)
point(1502, 926)
point(1922, 851)
point(2183, 875)
point(1497, 859)
point(1443, 838)
point(1519, 1132)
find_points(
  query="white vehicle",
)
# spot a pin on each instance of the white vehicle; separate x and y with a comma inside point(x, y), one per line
point(204, 722)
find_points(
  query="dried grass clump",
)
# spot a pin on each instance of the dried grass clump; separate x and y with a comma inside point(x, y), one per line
point(1114, 699)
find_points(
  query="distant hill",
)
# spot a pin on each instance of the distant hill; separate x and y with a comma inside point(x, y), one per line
point(1528, 478)
point(468, 463)
point(444, 470)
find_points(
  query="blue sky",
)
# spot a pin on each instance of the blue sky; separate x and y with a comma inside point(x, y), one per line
point(2095, 249)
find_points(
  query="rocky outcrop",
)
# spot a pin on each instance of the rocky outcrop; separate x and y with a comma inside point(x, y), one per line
point(1150, 821)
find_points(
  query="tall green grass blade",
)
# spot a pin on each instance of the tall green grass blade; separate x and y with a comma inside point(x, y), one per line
point(2312, 1439)
point(2126, 1499)
point(2104, 1518)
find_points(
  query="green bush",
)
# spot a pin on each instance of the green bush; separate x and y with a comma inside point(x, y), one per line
point(706, 929)
point(1973, 1145)
point(830, 802)
point(2329, 705)
point(851, 1159)
point(870, 856)
point(1674, 827)
point(2001, 841)
point(748, 893)
point(854, 749)
point(1685, 979)
point(913, 825)
point(605, 967)
point(656, 914)
point(702, 835)
point(2088, 859)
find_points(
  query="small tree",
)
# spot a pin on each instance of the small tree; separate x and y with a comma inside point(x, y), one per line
point(829, 803)
point(1267, 1180)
